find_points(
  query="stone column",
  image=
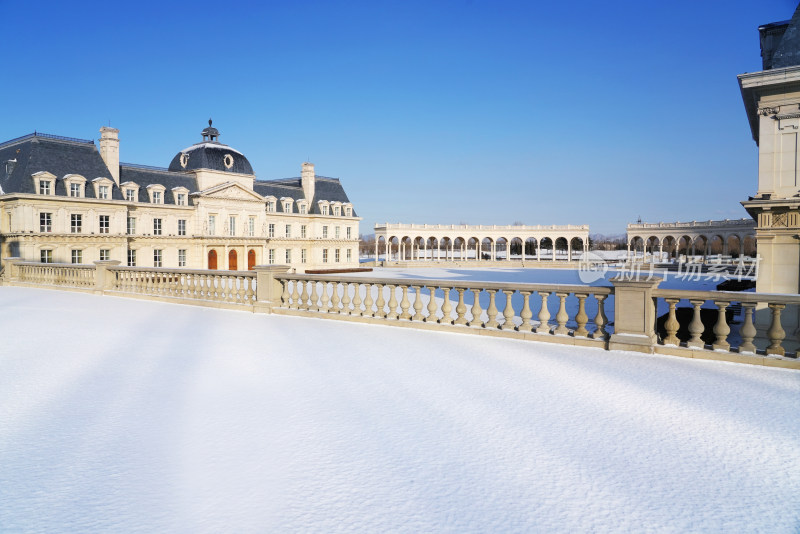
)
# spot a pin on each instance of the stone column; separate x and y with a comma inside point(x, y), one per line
point(634, 315)
point(569, 249)
point(268, 289)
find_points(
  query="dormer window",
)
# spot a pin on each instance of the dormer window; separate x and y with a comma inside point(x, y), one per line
point(156, 192)
point(102, 188)
point(302, 207)
point(180, 194)
point(75, 185)
point(131, 191)
point(44, 183)
point(323, 207)
point(271, 202)
point(348, 211)
point(337, 210)
point(287, 204)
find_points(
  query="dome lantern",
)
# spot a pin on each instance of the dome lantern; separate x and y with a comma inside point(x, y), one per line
point(210, 134)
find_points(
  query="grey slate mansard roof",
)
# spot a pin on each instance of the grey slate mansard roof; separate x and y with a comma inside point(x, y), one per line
point(61, 156)
point(780, 43)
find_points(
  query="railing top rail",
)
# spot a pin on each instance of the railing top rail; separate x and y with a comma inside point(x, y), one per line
point(479, 227)
point(161, 270)
point(60, 265)
point(694, 224)
point(733, 296)
point(457, 284)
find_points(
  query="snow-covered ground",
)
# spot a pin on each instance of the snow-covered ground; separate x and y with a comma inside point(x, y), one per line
point(121, 415)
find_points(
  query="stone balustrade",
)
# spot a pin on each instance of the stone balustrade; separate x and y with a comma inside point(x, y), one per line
point(746, 326)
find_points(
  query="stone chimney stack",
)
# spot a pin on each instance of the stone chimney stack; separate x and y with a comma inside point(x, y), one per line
point(109, 150)
point(307, 180)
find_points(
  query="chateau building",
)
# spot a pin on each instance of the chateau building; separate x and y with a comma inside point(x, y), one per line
point(62, 200)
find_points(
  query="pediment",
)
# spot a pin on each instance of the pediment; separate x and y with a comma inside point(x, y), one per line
point(230, 191)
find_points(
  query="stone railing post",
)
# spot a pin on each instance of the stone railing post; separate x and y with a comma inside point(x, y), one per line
point(268, 289)
point(11, 272)
point(634, 315)
point(103, 280)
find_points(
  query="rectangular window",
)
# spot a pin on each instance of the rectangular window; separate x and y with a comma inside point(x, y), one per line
point(157, 258)
point(270, 207)
point(324, 255)
point(131, 258)
point(288, 230)
point(45, 222)
point(324, 232)
point(156, 197)
point(303, 231)
point(324, 210)
point(105, 223)
point(349, 233)
point(271, 256)
point(181, 199)
point(156, 226)
point(288, 256)
point(131, 225)
point(338, 232)
point(349, 255)
point(105, 254)
point(77, 256)
point(348, 211)
point(303, 209)
point(181, 257)
point(337, 255)
point(75, 223)
point(46, 256)
point(271, 230)
point(44, 187)
point(212, 225)
point(287, 207)
point(251, 226)
point(130, 195)
point(303, 255)
point(102, 192)
point(74, 190)
point(181, 226)
point(232, 225)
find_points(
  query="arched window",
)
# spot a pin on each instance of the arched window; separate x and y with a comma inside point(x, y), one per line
point(232, 266)
point(251, 259)
point(212, 259)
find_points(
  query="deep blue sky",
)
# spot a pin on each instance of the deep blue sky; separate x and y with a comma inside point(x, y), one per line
point(472, 112)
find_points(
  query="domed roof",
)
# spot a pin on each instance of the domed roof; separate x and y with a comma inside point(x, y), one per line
point(211, 154)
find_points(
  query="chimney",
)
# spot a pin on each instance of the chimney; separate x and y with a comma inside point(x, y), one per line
point(109, 150)
point(307, 179)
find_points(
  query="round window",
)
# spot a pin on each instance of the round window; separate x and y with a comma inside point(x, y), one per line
point(184, 160)
point(228, 160)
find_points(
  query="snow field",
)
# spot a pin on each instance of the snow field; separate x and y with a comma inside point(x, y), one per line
point(134, 416)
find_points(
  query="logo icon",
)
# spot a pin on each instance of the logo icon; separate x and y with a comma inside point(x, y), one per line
point(592, 268)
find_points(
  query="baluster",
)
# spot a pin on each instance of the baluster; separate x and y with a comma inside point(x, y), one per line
point(432, 306)
point(285, 294)
point(721, 329)
point(417, 304)
point(392, 303)
point(335, 298)
point(405, 304)
point(476, 310)
point(581, 318)
point(562, 316)
point(249, 293)
point(314, 297)
point(748, 330)
point(368, 302)
point(356, 299)
point(491, 311)
point(775, 332)
point(544, 316)
point(230, 284)
point(241, 293)
point(696, 326)
point(526, 313)
point(346, 298)
point(508, 312)
point(380, 304)
point(326, 302)
point(446, 308)
point(672, 325)
point(304, 296)
point(461, 308)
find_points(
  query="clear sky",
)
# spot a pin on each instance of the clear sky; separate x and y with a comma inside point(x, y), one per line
point(479, 112)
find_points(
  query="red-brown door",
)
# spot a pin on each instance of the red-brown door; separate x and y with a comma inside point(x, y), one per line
point(251, 259)
point(212, 259)
point(232, 261)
